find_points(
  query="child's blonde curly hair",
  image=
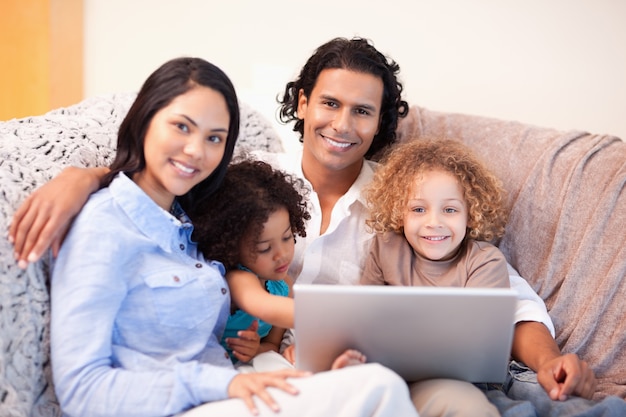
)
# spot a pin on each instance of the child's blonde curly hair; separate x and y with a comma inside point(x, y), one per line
point(388, 194)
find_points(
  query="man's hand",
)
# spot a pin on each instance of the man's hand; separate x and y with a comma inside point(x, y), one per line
point(567, 375)
point(559, 375)
point(246, 346)
point(44, 218)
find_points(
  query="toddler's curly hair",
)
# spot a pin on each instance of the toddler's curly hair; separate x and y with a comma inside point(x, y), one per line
point(251, 191)
point(388, 194)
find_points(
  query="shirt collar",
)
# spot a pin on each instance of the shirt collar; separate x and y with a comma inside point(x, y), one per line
point(292, 163)
point(355, 193)
point(157, 224)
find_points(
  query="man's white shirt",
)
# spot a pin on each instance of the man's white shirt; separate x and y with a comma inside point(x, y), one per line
point(338, 256)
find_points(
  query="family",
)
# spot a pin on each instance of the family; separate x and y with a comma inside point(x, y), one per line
point(177, 268)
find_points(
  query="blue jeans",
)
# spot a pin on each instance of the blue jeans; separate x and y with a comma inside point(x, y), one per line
point(522, 396)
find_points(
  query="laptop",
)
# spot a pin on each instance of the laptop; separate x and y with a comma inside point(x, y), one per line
point(419, 332)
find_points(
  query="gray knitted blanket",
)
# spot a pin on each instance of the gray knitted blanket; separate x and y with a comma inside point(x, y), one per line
point(33, 150)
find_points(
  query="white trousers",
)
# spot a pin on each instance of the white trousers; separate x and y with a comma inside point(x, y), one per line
point(432, 398)
point(356, 391)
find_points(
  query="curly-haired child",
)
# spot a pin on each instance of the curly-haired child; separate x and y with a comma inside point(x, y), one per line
point(250, 225)
point(435, 208)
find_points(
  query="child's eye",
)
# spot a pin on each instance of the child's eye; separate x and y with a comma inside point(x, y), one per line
point(418, 209)
point(288, 237)
point(264, 250)
point(450, 210)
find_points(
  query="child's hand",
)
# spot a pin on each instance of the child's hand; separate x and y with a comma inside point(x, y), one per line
point(246, 346)
point(246, 386)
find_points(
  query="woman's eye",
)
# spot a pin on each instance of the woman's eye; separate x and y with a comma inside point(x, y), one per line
point(214, 139)
point(183, 127)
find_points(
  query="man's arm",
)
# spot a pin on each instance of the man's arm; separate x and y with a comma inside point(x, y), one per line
point(530, 307)
point(534, 345)
point(45, 216)
point(560, 375)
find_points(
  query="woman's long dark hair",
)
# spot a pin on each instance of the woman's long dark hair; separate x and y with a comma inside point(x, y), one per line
point(169, 81)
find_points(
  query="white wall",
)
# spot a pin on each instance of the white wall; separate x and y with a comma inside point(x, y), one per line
point(554, 63)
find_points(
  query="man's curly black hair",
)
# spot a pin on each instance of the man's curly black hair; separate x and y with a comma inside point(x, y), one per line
point(251, 191)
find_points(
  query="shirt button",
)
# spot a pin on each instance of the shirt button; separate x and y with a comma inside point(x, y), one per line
point(198, 265)
point(182, 247)
point(226, 355)
point(224, 291)
point(176, 279)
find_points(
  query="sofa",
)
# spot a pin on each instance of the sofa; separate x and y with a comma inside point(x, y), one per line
point(565, 235)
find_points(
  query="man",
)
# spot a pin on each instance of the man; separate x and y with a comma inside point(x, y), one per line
point(346, 104)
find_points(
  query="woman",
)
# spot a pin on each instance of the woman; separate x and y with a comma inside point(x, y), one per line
point(138, 313)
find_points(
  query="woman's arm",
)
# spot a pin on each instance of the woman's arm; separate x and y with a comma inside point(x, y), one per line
point(249, 295)
point(45, 216)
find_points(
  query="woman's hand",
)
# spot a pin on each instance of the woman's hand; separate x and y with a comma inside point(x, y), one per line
point(246, 346)
point(247, 386)
point(45, 216)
